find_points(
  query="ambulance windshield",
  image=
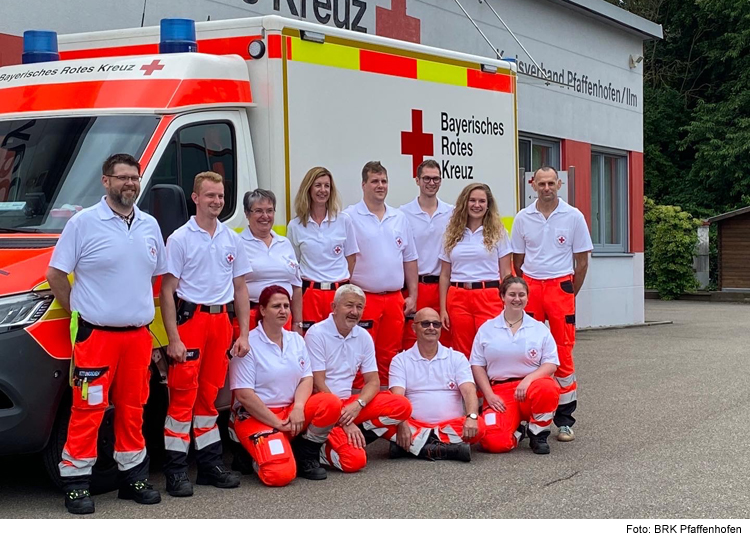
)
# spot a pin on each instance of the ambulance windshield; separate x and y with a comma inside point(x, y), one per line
point(50, 168)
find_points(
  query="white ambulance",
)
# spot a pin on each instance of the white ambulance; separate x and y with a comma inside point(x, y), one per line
point(261, 101)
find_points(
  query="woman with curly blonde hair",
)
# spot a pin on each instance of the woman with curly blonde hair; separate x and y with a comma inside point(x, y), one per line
point(475, 257)
point(323, 239)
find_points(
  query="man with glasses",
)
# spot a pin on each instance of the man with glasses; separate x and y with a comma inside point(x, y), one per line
point(428, 217)
point(440, 387)
point(114, 250)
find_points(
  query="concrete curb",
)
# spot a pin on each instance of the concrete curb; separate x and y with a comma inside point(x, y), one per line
point(613, 327)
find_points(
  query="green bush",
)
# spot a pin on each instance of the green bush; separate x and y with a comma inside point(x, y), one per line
point(670, 236)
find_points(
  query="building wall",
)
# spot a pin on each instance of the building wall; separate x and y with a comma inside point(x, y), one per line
point(734, 250)
point(595, 102)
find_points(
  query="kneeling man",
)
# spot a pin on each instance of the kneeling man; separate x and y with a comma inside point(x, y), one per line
point(439, 384)
point(338, 349)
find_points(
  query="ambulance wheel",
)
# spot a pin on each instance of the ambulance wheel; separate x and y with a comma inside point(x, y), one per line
point(104, 478)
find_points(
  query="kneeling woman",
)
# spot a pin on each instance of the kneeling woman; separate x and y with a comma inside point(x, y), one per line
point(276, 419)
point(513, 359)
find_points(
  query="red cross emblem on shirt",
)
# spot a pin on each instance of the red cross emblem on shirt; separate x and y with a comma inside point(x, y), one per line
point(533, 353)
point(561, 240)
point(148, 70)
point(337, 250)
point(302, 362)
point(230, 258)
point(399, 241)
point(451, 385)
point(152, 251)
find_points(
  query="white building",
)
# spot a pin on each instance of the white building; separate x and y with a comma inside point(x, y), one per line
point(585, 118)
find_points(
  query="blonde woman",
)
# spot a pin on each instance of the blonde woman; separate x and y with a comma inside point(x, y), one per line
point(475, 257)
point(323, 239)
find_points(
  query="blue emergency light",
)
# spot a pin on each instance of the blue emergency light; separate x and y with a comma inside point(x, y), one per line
point(39, 46)
point(177, 36)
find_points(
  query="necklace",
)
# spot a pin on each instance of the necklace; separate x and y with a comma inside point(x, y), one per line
point(511, 325)
point(127, 218)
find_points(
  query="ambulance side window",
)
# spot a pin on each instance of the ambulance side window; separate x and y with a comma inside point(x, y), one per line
point(197, 148)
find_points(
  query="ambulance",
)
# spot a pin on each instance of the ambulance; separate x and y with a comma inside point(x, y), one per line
point(258, 100)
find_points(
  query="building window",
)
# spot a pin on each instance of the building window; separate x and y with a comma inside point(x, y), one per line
point(534, 152)
point(609, 202)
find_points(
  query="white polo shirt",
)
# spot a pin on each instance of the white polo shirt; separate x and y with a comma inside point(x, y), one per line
point(428, 233)
point(549, 243)
point(272, 373)
point(340, 358)
point(384, 246)
point(113, 266)
point(505, 355)
point(274, 265)
point(322, 248)
point(471, 261)
point(432, 385)
point(205, 266)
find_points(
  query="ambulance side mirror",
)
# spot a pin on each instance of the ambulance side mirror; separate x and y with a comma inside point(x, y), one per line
point(167, 204)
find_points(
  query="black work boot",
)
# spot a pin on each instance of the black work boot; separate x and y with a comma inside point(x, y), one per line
point(395, 451)
point(523, 429)
point(179, 486)
point(369, 435)
point(307, 455)
point(438, 450)
point(140, 492)
point(78, 501)
point(539, 443)
point(218, 476)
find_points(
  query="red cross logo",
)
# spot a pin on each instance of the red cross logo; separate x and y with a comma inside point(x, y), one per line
point(230, 258)
point(451, 385)
point(395, 23)
point(416, 143)
point(399, 241)
point(148, 70)
point(152, 251)
point(302, 362)
point(532, 353)
point(561, 240)
point(337, 250)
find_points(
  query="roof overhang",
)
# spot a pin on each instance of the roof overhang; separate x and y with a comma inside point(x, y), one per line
point(615, 16)
point(730, 214)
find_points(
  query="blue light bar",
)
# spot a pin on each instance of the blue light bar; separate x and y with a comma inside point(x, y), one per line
point(39, 46)
point(177, 36)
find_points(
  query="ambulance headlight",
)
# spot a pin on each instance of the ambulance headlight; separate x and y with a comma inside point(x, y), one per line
point(177, 36)
point(39, 46)
point(24, 309)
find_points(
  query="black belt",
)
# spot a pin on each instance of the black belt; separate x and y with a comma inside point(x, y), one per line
point(306, 284)
point(188, 307)
point(506, 381)
point(85, 324)
point(429, 279)
point(476, 285)
point(254, 305)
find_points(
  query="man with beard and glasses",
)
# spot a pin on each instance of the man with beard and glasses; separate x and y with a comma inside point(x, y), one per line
point(115, 251)
point(339, 348)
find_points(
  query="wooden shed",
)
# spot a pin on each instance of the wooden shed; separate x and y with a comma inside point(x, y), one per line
point(734, 249)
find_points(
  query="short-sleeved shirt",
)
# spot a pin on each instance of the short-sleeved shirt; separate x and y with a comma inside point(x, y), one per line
point(471, 261)
point(506, 355)
point(549, 243)
point(432, 385)
point(205, 266)
point(322, 249)
point(428, 233)
point(271, 372)
point(384, 246)
point(112, 265)
point(274, 265)
point(338, 356)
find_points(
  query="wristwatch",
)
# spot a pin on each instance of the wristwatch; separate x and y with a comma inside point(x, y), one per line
point(362, 403)
point(473, 416)
point(300, 325)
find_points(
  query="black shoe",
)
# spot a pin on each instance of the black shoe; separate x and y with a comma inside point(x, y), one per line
point(437, 450)
point(369, 435)
point(79, 502)
point(242, 462)
point(523, 429)
point(395, 451)
point(307, 455)
point(218, 476)
point(539, 443)
point(140, 492)
point(179, 486)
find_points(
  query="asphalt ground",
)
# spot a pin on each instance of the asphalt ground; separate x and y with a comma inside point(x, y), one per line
point(660, 434)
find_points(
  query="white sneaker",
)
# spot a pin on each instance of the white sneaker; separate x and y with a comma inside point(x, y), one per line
point(565, 434)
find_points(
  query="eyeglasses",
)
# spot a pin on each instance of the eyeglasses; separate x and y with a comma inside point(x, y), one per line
point(435, 180)
point(125, 178)
point(262, 211)
point(428, 324)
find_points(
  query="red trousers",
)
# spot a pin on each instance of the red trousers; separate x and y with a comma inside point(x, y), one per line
point(316, 303)
point(448, 432)
point(271, 450)
point(384, 410)
point(553, 300)
point(427, 297)
point(386, 312)
point(114, 365)
point(469, 309)
point(537, 409)
point(193, 387)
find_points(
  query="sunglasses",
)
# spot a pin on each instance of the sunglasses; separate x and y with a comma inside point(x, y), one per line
point(428, 324)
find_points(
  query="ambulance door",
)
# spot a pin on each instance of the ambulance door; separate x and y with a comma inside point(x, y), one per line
point(216, 141)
